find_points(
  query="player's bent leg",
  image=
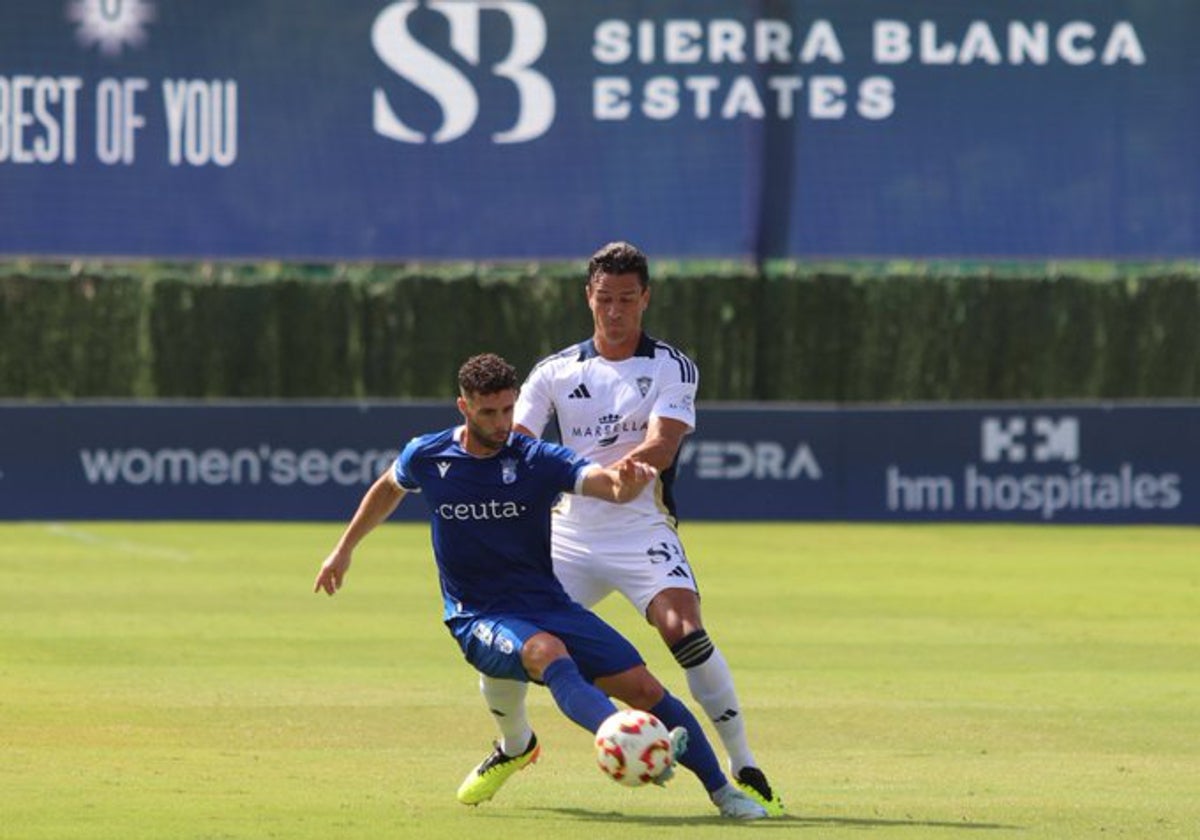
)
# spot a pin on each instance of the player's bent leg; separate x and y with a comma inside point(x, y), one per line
point(545, 657)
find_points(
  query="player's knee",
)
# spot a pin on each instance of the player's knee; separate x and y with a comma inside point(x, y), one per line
point(539, 651)
point(675, 613)
point(693, 649)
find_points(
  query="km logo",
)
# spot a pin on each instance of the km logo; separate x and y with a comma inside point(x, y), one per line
point(1011, 439)
point(453, 91)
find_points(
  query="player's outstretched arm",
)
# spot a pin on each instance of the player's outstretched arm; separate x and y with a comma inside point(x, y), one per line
point(663, 439)
point(619, 483)
point(378, 503)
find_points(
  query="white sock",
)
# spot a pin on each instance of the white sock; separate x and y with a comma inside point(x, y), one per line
point(506, 701)
point(711, 683)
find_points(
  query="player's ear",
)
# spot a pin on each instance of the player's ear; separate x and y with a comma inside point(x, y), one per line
point(461, 402)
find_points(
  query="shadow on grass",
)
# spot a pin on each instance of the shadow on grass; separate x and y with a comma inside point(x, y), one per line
point(785, 821)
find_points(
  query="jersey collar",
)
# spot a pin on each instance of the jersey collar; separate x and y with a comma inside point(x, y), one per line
point(645, 348)
point(461, 431)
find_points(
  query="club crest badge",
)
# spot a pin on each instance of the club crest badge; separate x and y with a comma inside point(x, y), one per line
point(643, 383)
point(508, 470)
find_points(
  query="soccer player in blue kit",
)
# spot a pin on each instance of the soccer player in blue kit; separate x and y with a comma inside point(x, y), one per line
point(490, 491)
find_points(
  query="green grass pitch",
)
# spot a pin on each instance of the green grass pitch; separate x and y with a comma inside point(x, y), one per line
point(176, 680)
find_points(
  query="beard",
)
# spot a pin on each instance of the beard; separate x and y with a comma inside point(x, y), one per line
point(493, 442)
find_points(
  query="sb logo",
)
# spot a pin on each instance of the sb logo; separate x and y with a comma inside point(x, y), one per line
point(453, 92)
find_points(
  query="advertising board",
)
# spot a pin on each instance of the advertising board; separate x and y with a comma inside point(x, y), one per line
point(300, 461)
point(515, 129)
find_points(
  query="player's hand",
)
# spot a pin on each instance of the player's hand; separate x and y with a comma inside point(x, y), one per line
point(634, 475)
point(333, 572)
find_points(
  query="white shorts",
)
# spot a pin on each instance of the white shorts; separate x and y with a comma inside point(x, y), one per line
point(638, 564)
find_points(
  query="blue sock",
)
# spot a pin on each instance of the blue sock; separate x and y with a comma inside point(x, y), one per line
point(699, 756)
point(579, 700)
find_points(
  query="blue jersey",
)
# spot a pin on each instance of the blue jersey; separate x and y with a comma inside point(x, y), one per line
point(491, 519)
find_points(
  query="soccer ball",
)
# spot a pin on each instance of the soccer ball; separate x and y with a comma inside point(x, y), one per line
point(633, 747)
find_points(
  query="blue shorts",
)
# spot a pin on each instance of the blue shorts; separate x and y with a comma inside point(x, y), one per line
point(493, 643)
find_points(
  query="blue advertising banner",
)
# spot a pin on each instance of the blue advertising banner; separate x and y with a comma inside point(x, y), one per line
point(298, 461)
point(449, 129)
point(1007, 462)
point(193, 461)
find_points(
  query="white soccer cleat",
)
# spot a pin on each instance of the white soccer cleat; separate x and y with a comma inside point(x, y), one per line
point(679, 745)
point(736, 805)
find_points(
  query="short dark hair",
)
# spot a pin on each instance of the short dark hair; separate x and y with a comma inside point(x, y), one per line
point(619, 258)
point(485, 374)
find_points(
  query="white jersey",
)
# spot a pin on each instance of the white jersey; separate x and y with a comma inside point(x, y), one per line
point(603, 410)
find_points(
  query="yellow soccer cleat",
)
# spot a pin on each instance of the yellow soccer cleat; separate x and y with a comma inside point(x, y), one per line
point(481, 784)
point(753, 783)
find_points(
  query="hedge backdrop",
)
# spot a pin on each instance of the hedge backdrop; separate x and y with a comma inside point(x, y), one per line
point(865, 332)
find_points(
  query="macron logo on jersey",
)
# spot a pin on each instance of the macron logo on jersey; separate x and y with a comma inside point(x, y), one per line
point(580, 393)
point(443, 468)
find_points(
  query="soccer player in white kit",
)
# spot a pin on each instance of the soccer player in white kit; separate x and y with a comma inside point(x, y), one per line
point(623, 394)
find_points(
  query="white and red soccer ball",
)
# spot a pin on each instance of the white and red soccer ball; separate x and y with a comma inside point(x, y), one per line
point(633, 747)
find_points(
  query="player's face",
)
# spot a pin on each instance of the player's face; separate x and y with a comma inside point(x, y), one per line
point(617, 302)
point(489, 419)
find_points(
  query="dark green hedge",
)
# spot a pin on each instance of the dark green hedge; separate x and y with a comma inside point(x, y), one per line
point(846, 333)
